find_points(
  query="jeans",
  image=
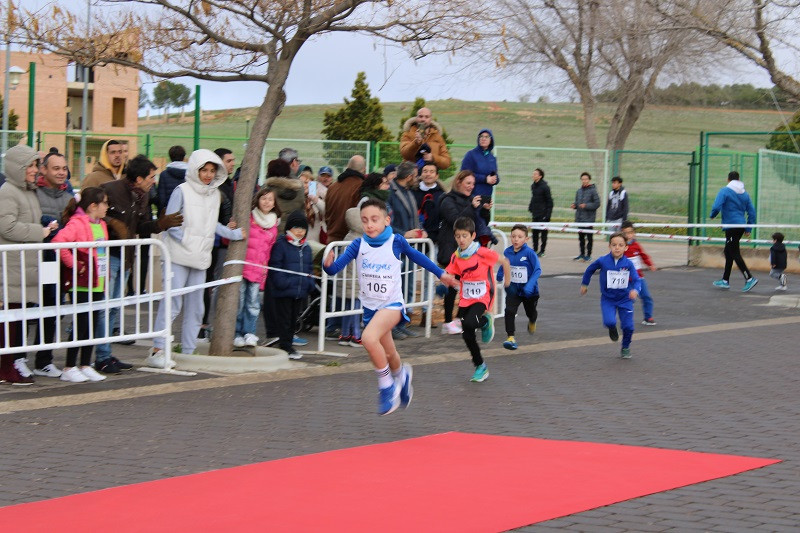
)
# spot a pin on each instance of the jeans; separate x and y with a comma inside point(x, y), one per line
point(115, 284)
point(249, 308)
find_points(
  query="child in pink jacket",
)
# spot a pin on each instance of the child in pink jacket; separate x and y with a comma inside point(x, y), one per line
point(89, 269)
point(263, 233)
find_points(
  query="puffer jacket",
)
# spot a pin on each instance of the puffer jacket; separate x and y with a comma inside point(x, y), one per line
point(482, 163)
point(453, 205)
point(586, 195)
point(541, 204)
point(259, 248)
point(20, 222)
point(79, 229)
point(287, 256)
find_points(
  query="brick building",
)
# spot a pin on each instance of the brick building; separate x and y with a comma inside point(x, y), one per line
point(112, 107)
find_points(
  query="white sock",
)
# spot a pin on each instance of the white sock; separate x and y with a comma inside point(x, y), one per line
point(385, 378)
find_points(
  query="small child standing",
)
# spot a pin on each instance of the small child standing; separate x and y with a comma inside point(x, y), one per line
point(263, 234)
point(619, 287)
point(636, 254)
point(524, 288)
point(291, 252)
point(778, 260)
point(474, 264)
point(85, 224)
point(378, 252)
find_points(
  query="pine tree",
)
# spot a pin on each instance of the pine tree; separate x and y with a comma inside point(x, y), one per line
point(360, 119)
point(13, 118)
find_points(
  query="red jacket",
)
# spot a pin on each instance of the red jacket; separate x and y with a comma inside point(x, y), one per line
point(79, 229)
point(637, 255)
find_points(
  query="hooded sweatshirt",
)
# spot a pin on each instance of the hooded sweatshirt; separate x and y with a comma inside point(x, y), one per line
point(482, 163)
point(103, 171)
point(733, 202)
point(20, 222)
point(191, 243)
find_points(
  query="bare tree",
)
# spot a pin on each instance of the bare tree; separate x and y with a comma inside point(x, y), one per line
point(596, 46)
point(239, 40)
point(755, 29)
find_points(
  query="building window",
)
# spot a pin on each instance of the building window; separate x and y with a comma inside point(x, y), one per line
point(118, 113)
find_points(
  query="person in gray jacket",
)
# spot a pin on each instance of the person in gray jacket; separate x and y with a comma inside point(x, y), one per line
point(587, 201)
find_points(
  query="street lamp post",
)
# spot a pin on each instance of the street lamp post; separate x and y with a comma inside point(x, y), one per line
point(13, 75)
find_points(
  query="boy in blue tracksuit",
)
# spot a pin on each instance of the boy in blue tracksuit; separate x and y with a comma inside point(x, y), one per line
point(619, 287)
point(524, 288)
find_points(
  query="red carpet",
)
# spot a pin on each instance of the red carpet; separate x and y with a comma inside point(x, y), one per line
point(450, 482)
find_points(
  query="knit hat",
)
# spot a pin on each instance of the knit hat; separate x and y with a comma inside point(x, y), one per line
point(297, 219)
point(391, 167)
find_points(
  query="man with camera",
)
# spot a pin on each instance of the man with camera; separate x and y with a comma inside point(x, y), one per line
point(422, 141)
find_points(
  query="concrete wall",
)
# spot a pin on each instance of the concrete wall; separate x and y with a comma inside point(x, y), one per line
point(757, 260)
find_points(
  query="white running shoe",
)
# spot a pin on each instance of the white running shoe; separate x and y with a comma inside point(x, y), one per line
point(156, 359)
point(238, 342)
point(49, 371)
point(452, 328)
point(21, 365)
point(73, 375)
point(250, 339)
point(92, 374)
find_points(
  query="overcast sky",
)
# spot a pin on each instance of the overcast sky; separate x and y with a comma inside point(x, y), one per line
point(326, 67)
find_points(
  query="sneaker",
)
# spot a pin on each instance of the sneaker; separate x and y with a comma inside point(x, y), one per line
point(783, 280)
point(344, 341)
point(333, 334)
point(481, 373)
point(355, 342)
point(238, 342)
point(91, 374)
point(487, 331)
point(156, 359)
point(250, 339)
point(531, 328)
point(649, 322)
point(73, 375)
point(49, 371)
point(294, 355)
point(625, 353)
point(722, 284)
point(578, 258)
point(408, 332)
point(510, 344)
point(107, 367)
point(749, 284)
point(406, 388)
point(21, 365)
point(587, 258)
point(298, 341)
point(452, 328)
point(540, 254)
point(398, 334)
point(778, 288)
point(388, 399)
point(120, 364)
point(269, 341)
point(613, 334)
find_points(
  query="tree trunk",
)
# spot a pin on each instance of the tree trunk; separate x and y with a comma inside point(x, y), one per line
point(228, 295)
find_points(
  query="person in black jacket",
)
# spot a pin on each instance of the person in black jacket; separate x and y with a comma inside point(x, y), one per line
point(541, 209)
point(427, 192)
point(778, 260)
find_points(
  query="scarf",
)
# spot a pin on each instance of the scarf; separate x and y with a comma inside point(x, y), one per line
point(426, 188)
point(469, 252)
point(265, 220)
point(381, 238)
point(41, 182)
point(294, 241)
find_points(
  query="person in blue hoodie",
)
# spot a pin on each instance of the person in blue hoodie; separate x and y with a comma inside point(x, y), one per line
point(734, 202)
point(524, 288)
point(619, 287)
point(481, 161)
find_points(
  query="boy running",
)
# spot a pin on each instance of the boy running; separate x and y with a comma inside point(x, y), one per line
point(637, 255)
point(524, 288)
point(619, 287)
point(379, 268)
point(474, 264)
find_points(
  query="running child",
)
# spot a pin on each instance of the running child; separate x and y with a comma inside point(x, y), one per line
point(778, 260)
point(637, 255)
point(524, 288)
point(291, 252)
point(619, 287)
point(474, 264)
point(263, 234)
point(84, 223)
point(379, 266)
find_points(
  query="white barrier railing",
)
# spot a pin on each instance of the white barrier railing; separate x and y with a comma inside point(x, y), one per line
point(48, 267)
point(341, 290)
point(500, 294)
